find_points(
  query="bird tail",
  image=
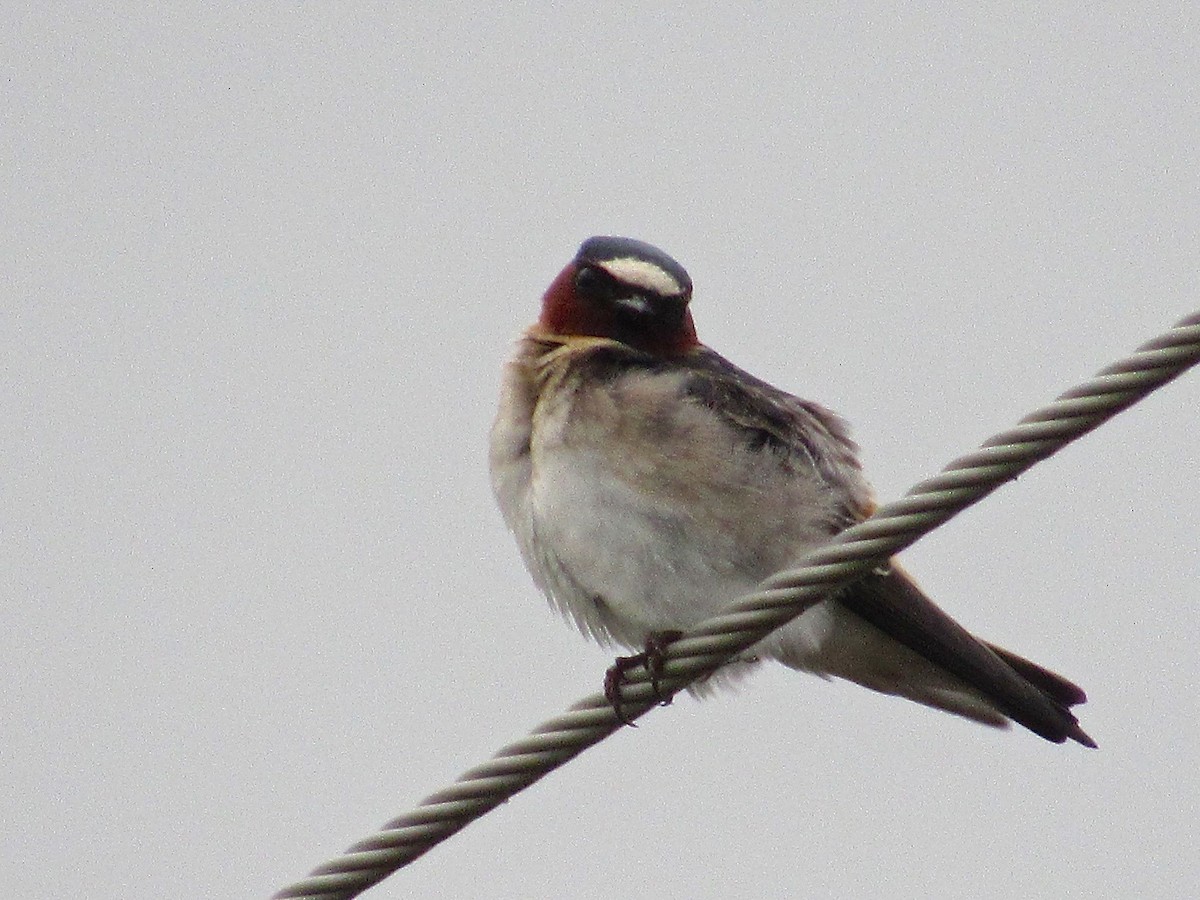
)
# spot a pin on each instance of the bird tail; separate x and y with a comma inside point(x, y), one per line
point(887, 635)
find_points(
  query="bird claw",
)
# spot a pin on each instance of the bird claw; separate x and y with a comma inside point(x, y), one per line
point(653, 657)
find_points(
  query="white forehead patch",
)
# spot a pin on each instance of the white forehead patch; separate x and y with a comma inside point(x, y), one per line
point(642, 274)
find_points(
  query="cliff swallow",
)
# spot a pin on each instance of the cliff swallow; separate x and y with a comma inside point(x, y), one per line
point(649, 482)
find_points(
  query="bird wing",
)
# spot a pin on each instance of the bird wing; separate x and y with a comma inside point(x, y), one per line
point(890, 601)
point(776, 421)
point(1025, 692)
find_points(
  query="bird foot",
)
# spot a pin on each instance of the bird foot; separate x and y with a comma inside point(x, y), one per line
point(653, 657)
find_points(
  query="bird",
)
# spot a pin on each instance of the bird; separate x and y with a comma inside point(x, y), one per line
point(649, 481)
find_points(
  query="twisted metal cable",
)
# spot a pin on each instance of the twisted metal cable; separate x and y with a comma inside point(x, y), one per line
point(779, 599)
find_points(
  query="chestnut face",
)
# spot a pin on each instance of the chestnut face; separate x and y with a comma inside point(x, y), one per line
point(625, 290)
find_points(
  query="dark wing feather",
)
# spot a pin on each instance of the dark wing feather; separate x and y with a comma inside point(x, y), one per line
point(775, 420)
point(1063, 691)
point(1023, 691)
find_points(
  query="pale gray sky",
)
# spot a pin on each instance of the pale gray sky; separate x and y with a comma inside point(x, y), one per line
point(261, 265)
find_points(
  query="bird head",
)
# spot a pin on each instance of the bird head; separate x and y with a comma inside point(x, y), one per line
point(625, 290)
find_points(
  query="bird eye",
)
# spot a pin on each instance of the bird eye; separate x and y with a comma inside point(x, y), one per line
point(592, 283)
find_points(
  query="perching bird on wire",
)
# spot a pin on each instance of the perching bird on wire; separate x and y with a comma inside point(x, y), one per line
point(649, 482)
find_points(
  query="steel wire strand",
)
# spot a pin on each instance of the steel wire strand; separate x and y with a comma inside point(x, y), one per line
point(778, 600)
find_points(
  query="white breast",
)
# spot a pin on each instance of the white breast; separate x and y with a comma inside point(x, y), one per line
point(636, 512)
